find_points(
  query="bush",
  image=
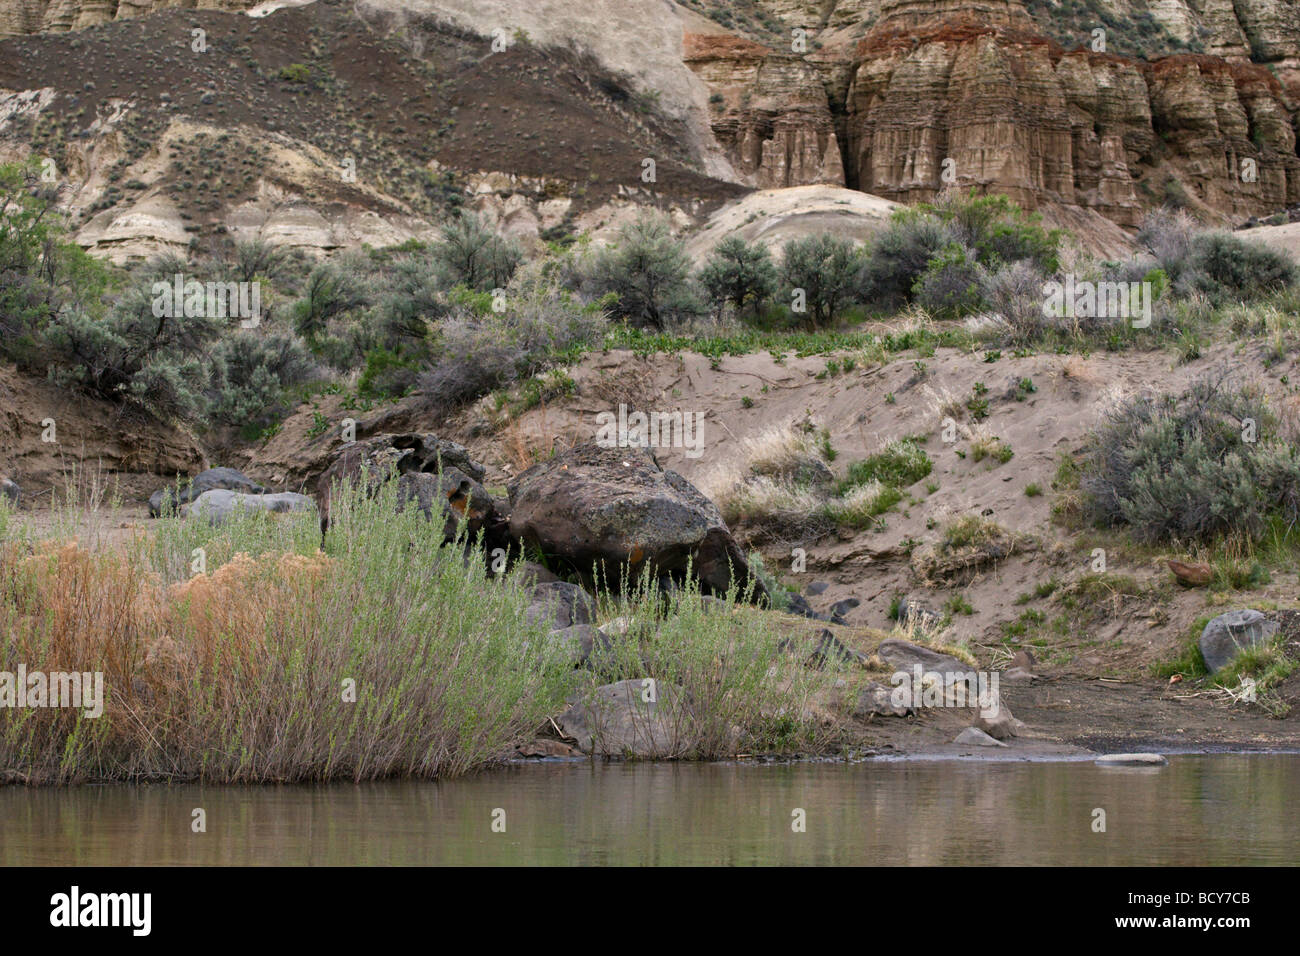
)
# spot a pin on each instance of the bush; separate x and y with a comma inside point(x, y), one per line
point(648, 272)
point(474, 354)
point(826, 268)
point(331, 291)
point(1015, 294)
point(250, 372)
point(997, 230)
point(40, 275)
point(1167, 234)
point(738, 273)
point(472, 255)
point(951, 285)
point(1227, 268)
point(1176, 468)
point(900, 463)
point(133, 354)
point(899, 256)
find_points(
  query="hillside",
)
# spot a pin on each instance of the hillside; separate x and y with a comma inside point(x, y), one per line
point(330, 124)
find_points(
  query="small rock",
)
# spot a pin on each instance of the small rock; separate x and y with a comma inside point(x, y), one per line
point(817, 587)
point(641, 717)
point(579, 641)
point(1001, 724)
point(904, 656)
point(531, 573)
point(10, 490)
point(1229, 634)
point(973, 736)
point(547, 747)
point(1191, 575)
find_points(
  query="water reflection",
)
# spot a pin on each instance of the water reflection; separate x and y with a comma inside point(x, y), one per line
point(1198, 810)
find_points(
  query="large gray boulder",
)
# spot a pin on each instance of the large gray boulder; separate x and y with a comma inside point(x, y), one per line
point(10, 491)
point(218, 507)
point(169, 500)
point(615, 507)
point(1229, 634)
point(641, 717)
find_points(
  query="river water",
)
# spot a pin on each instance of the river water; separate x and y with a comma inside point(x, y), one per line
point(1218, 809)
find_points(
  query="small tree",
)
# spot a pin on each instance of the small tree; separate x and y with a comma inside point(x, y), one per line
point(649, 271)
point(739, 273)
point(825, 268)
point(331, 291)
point(472, 255)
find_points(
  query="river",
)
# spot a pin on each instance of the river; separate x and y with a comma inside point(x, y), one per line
point(1215, 809)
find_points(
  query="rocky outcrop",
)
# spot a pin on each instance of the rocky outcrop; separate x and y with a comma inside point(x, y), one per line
point(434, 475)
point(971, 105)
point(970, 93)
point(56, 16)
point(768, 111)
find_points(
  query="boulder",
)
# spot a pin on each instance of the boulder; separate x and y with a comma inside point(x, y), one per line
point(1229, 634)
point(531, 573)
point(904, 656)
point(560, 605)
point(450, 497)
point(10, 491)
point(614, 507)
point(641, 717)
point(1000, 725)
point(170, 499)
point(973, 736)
point(434, 474)
point(217, 507)
point(878, 700)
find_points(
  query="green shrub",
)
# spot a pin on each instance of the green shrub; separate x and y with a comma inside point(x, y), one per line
point(901, 463)
point(474, 354)
point(898, 257)
point(826, 268)
point(951, 285)
point(649, 274)
point(1227, 268)
point(738, 273)
point(1176, 468)
point(472, 255)
point(250, 371)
